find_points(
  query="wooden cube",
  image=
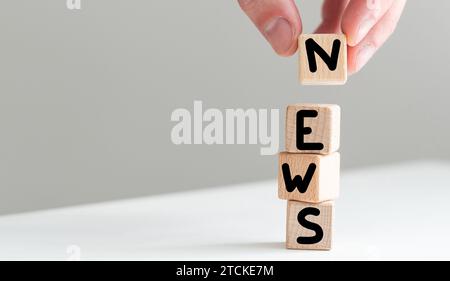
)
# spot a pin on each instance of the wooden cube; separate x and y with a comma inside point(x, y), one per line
point(309, 226)
point(308, 177)
point(322, 59)
point(313, 128)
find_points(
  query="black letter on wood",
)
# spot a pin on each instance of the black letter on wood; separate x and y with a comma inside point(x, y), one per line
point(301, 218)
point(297, 182)
point(313, 48)
point(302, 131)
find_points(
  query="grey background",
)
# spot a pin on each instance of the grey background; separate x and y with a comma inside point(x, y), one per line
point(86, 96)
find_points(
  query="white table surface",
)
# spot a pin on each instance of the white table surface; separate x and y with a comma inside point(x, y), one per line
point(390, 212)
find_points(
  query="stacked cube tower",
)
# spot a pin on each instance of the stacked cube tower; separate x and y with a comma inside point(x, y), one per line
point(309, 169)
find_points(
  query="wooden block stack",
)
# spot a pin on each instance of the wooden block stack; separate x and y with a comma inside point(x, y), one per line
point(308, 175)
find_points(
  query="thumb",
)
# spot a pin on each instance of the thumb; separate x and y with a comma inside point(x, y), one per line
point(278, 20)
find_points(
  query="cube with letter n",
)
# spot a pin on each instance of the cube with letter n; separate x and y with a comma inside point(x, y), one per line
point(322, 59)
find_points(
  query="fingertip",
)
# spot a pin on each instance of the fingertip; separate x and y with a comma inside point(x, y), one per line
point(351, 69)
point(359, 56)
point(348, 27)
point(282, 35)
point(278, 21)
point(290, 52)
point(361, 16)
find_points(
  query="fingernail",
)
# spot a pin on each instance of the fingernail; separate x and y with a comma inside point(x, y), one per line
point(363, 30)
point(364, 55)
point(280, 34)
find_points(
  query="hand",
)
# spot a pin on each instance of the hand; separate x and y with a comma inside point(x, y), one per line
point(366, 23)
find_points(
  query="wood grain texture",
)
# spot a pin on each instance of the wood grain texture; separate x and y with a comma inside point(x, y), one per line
point(294, 229)
point(324, 184)
point(325, 127)
point(323, 75)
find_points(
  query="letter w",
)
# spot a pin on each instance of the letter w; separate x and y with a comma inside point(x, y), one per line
point(298, 182)
point(312, 47)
